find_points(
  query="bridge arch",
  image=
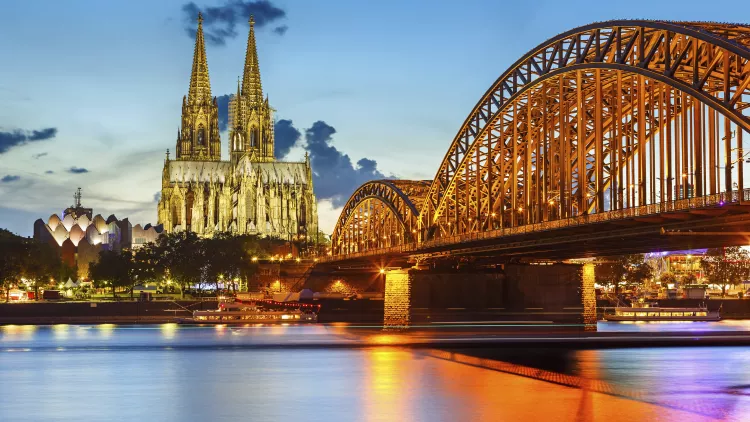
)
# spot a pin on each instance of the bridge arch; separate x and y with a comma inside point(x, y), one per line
point(660, 108)
point(380, 213)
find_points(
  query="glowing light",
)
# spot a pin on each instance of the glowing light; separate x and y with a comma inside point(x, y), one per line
point(254, 259)
point(298, 260)
point(382, 271)
point(493, 214)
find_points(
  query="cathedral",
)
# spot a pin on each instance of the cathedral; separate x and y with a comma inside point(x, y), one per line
point(251, 193)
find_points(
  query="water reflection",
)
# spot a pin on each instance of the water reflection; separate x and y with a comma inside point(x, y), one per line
point(105, 330)
point(17, 332)
point(168, 330)
point(386, 381)
point(61, 331)
point(183, 373)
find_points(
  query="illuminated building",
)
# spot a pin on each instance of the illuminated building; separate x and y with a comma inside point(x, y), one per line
point(80, 235)
point(252, 192)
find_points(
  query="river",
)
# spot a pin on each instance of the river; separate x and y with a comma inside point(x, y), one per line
point(184, 373)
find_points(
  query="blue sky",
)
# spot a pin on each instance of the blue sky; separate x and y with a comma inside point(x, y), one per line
point(394, 78)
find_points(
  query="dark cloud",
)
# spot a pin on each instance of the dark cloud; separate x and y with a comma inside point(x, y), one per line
point(223, 104)
point(40, 155)
point(220, 22)
point(280, 30)
point(157, 196)
point(285, 137)
point(49, 171)
point(334, 176)
point(40, 135)
point(77, 170)
point(17, 138)
point(8, 178)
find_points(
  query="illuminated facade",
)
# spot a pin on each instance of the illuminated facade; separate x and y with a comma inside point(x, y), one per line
point(252, 192)
point(80, 235)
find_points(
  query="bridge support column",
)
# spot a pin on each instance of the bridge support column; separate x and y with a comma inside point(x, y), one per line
point(588, 296)
point(397, 298)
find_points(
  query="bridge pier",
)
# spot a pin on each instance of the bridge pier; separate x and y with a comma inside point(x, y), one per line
point(397, 298)
point(588, 296)
point(560, 293)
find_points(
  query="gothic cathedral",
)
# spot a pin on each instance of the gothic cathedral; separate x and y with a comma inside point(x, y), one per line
point(252, 192)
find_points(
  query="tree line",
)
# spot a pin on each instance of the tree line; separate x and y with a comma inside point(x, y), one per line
point(39, 264)
point(183, 258)
point(724, 266)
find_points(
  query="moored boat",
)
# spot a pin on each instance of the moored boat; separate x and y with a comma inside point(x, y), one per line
point(656, 313)
point(242, 312)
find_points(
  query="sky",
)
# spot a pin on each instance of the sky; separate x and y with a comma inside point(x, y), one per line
point(90, 91)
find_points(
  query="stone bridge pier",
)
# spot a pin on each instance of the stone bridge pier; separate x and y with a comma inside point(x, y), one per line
point(557, 293)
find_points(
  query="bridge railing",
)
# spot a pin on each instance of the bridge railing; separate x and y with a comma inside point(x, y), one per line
point(718, 199)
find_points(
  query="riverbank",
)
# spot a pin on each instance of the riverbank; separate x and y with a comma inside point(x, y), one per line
point(331, 311)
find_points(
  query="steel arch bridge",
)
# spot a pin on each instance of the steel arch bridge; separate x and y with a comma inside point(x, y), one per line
point(608, 121)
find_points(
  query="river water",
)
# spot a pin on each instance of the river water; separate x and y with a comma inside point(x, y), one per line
point(181, 373)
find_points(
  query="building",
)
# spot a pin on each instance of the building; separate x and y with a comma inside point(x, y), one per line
point(80, 235)
point(250, 193)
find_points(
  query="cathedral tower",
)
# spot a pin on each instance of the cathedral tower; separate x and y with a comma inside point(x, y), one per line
point(251, 125)
point(198, 137)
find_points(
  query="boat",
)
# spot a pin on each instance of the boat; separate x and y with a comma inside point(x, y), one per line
point(645, 312)
point(248, 312)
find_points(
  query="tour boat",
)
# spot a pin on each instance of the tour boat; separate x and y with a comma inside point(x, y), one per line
point(254, 312)
point(656, 313)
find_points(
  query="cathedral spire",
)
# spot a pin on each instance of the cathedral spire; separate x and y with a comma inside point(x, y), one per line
point(251, 87)
point(200, 86)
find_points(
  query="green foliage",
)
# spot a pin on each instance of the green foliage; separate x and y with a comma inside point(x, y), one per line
point(688, 278)
point(184, 258)
point(667, 279)
point(112, 269)
point(629, 269)
point(726, 266)
point(25, 258)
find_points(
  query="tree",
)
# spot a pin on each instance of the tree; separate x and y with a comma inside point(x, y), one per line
point(726, 266)
point(112, 268)
point(229, 257)
point(182, 255)
point(667, 278)
point(688, 279)
point(144, 266)
point(40, 264)
point(12, 249)
point(631, 269)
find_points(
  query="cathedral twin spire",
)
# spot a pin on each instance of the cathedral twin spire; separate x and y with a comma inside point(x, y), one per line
point(251, 86)
point(251, 130)
point(198, 136)
point(200, 85)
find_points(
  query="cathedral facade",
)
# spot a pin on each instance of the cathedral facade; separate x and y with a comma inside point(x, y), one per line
point(250, 193)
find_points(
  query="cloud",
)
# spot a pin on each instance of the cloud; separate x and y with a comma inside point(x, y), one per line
point(222, 103)
point(157, 196)
point(334, 176)
point(8, 178)
point(280, 30)
point(285, 137)
point(77, 170)
point(40, 155)
point(49, 172)
point(220, 22)
point(19, 137)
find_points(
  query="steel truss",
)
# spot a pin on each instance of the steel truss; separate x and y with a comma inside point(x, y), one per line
point(606, 117)
point(381, 213)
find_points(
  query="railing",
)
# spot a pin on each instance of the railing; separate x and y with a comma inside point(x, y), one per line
point(646, 210)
